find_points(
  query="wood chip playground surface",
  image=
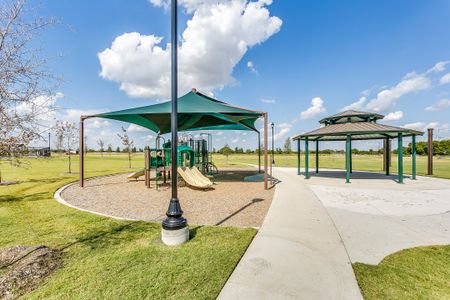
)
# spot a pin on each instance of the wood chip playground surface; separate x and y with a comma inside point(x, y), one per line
point(232, 202)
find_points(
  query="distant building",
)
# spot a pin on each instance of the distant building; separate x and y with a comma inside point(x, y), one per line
point(39, 151)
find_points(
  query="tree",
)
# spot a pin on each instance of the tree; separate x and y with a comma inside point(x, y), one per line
point(118, 149)
point(109, 149)
point(59, 143)
point(101, 144)
point(69, 132)
point(226, 150)
point(128, 143)
point(26, 88)
point(287, 146)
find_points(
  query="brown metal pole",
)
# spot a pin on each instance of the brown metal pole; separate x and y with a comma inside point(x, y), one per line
point(81, 151)
point(147, 167)
point(430, 151)
point(259, 152)
point(266, 160)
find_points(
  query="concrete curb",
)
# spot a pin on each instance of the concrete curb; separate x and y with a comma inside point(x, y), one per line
point(61, 200)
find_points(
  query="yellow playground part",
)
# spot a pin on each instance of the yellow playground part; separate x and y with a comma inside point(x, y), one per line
point(193, 179)
point(137, 174)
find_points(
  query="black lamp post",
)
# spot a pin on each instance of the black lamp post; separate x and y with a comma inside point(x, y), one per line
point(273, 153)
point(174, 227)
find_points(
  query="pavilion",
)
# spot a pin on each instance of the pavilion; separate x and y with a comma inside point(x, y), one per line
point(196, 111)
point(354, 125)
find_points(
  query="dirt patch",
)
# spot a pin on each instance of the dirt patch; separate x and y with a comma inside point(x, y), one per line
point(23, 268)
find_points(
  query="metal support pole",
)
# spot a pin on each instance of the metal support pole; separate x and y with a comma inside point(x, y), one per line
point(430, 151)
point(384, 153)
point(81, 151)
point(413, 154)
point(388, 157)
point(272, 159)
point(351, 158)
point(348, 149)
point(259, 152)
point(400, 157)
point(273, 146)
point(306, 158)
point(147, 166)
point(317, 156)
point(174, 222)
point(266, 160)
point(298, 157)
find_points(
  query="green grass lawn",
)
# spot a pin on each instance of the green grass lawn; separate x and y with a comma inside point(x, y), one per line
point(105, 258)
point(337, 161)
point(417, 273)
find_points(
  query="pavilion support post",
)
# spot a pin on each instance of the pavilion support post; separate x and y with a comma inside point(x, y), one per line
point(351, 158)
point(430, 151)
point(81, 151)
point(413, 156)
point(384, 153)
point(388, 157)
point(175, 229)
point(400, 157)
point(147, 166)
point(259, 152)
point(266, 159)
point(306, 158)
point(298, 157)
point(317, 156)
point(348, 150)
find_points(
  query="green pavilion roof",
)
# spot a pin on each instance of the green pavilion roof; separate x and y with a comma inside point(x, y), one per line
point(196, 111)
point(360, 125)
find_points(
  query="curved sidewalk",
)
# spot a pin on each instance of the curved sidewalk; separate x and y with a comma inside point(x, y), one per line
point(297, 253)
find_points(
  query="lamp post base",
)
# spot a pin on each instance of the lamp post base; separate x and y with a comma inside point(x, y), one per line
point(175, 237)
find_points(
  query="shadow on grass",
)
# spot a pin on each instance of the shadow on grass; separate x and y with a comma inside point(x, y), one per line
point(30, 197)
point(103, 238)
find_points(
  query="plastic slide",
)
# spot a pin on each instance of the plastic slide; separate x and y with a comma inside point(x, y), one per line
point(199, 174)
point(193, 180)
point(137, 174)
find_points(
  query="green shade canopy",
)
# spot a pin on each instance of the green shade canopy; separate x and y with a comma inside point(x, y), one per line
point(196, 111)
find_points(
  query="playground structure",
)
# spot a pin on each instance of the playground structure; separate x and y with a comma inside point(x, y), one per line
point(196, 112)
point(193, 155)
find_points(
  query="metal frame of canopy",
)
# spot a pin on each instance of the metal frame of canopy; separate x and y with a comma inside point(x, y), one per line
point(233, 118)
point(354, 125)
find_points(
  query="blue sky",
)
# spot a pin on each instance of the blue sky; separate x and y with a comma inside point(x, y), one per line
point(388, 55)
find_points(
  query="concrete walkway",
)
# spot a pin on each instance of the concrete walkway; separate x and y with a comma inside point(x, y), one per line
point(297, 253)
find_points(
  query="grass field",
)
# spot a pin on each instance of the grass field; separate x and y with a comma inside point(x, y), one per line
point(105, 258)
point(337, 161)
point(417, 273)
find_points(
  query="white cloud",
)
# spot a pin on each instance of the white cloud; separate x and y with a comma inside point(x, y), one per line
point(283, 130)
point(235, 140)
point(387, 98)
point(445, 79)
point(410, 83)
point(136, 128)
point(219, 133)
point(268, 101)
point(438, 106)
point(422, 126)
point(358, 105)
point(315, 109)
point(438, 67)
point(97, 124)
point(216, 38)
point(251, 67)
point(394, 116)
